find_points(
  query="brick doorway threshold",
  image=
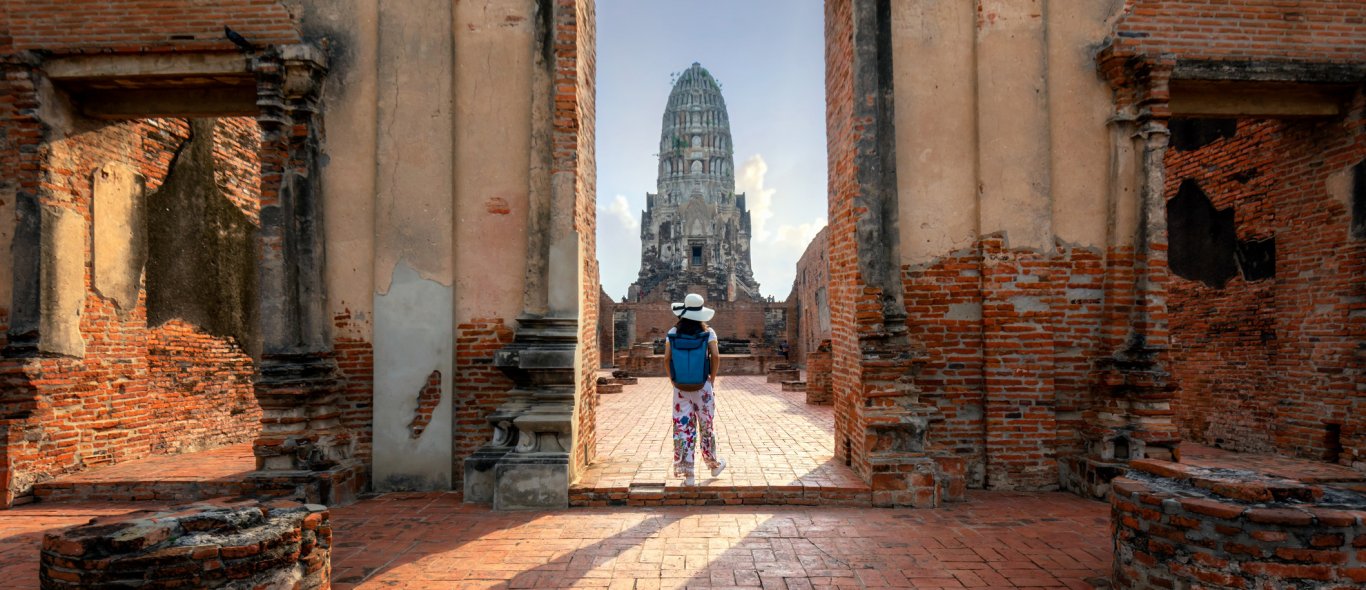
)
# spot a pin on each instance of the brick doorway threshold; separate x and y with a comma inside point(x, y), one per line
point(779, 450)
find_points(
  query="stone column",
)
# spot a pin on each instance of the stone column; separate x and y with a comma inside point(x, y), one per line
point(1130, 415)
point(302, 448)
point(528, 463)
point(33, 268)
point(882, 420)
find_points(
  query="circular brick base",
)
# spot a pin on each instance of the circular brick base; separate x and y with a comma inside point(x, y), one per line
point(215, 544)
point(1177, 526)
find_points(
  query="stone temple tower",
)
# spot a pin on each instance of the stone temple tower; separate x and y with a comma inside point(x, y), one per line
point(695, 232)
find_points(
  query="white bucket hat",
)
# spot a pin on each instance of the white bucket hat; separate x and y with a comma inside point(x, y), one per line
point(692, 309)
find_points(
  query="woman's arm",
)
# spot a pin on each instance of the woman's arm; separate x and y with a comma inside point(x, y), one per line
point(714, 350)
point(668, 360)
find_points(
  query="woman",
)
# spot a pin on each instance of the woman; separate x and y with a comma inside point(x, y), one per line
point(694, 403)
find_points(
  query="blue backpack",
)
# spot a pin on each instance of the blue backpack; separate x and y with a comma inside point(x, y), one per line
point(690, 363)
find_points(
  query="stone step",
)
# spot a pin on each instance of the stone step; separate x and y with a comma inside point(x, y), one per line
point(185, 477)
point(658, 494)
point(778, 376)
point(136, 490)
point(609, 387)
point(794, 386)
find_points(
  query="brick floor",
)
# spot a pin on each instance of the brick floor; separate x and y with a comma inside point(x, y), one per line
point(779, 449)
point(413, 541)
point(184, 477)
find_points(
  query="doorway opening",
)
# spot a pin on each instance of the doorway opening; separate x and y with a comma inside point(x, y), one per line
point(724, 202)
point(148, 253)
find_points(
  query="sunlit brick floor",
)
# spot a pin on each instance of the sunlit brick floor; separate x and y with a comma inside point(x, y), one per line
point(412, 541)
point(770, 439)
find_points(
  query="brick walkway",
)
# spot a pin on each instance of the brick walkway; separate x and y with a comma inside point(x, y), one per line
point(779, 449)
point(416, 541)
point(190, 476)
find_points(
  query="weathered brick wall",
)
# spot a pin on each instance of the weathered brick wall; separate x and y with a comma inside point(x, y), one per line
point(1312, 30)
point(479, 386)
point(606, 331)
point(1268, 364)
point(356, 361)
point(812, 305)
point(89, 26)
point(578, 70)
point(852, 304)
point(141, 388)
point(742, 320)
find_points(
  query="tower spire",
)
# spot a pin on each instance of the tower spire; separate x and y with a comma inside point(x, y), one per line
point(694, 230)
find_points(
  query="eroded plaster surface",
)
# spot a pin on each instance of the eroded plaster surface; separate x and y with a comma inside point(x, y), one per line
point(1013, 123)
point(63, 281)
point(413, 209)
point(120, 247)
point(1080, 104)
point(935, 124)
point(493, 104)
point(1001, 124)
point(412, 341)
point(349, 156)
point(8, 217)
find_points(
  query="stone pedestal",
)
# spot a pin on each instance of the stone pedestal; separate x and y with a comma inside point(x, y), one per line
point(531, 481)
point(527, 464)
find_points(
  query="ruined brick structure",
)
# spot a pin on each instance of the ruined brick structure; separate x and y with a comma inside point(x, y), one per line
point(232, 544)
point(695, 231)
point(362, 236)
point(159, 322)
point(1261, 306)
point(810, 298)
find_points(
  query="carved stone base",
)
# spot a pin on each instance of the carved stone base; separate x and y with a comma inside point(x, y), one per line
point(480, 474)
point(336, 486)
point(532, 481)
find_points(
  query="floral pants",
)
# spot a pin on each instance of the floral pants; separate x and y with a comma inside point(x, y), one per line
point(693, 415)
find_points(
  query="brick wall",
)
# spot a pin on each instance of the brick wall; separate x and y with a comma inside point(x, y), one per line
point(742, 320)
point(88, 26)
point(141, 388)
point(1312, 30)
point(479, 387)
point(578, 70)
point(356, 361)
point(852, 304)
point(811, 306)
point(1268, 364)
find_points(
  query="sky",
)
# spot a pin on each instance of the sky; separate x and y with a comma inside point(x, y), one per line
point(769, 57)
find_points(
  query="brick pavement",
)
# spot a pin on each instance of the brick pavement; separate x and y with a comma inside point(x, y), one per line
point(432, 540)
point(779, 449)
point(996, 540)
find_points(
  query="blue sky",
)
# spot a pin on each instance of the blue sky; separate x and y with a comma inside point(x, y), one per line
point(769, 57)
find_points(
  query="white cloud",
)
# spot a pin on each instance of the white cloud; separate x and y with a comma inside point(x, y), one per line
point(798, 236)
point(621, 209)
point(758, 199)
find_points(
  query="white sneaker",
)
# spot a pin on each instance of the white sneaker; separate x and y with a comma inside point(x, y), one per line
point(688, 481)
point(716, 471)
